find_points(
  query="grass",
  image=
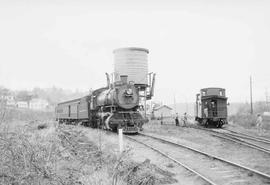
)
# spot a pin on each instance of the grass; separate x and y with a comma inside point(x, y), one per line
point(168, 125)
point(35, 150)
point(41, 152)
point(244, 120)
point(52, 155)
point(248, 121)
point(15, 114)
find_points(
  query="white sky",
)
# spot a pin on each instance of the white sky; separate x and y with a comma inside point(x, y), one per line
point(192, 44)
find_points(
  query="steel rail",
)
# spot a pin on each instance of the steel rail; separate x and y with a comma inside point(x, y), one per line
point(242, 142)
point(212, 156)
point(237, 140)
point(241, 139)
point(250, 138)
point(176, 161)
point(263, 140)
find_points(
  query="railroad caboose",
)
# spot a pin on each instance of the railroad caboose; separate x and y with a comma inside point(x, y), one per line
point(211, 107)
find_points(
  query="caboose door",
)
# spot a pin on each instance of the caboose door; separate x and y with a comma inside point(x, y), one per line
point(214, 108)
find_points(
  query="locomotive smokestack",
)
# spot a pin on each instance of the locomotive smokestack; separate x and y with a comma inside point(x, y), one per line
point(124, 79)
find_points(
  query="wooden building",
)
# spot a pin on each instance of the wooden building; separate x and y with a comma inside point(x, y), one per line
point(162, 111)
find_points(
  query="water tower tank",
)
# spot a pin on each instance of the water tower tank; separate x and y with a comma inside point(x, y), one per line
point(132, 62)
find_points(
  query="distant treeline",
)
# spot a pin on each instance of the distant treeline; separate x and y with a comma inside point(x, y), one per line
point(25, 115)
point(53, 95)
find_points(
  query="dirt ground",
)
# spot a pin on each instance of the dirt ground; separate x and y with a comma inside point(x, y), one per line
point(204, 141)
point(139, 153)
point(251, 131)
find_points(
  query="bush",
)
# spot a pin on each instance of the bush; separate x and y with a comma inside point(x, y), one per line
point(245, 120)
point(42, 126)
point(68, 155)
point(62, 157)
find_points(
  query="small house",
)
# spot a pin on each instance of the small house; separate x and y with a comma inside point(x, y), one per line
point(38, 104)
point(162, 111)
point(22, 104)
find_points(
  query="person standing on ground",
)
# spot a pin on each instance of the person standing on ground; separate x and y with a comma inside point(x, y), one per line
point(259, 123)
point(185, 119)
point(161, 119)
point(176, 120)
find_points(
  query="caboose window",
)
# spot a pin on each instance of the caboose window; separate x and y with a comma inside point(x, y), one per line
point(220, 93)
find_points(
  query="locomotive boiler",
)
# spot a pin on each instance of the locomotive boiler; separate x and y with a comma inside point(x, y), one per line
point(118, 107)
point(122, 95)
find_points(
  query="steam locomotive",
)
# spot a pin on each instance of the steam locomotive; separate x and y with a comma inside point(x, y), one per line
point(112, 107)
point(211, 107)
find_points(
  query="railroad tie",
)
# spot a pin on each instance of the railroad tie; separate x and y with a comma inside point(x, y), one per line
point(238, 182)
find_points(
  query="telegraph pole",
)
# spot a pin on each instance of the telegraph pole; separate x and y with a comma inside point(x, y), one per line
point(251, 105)
point(266, 96)
point(174, 102)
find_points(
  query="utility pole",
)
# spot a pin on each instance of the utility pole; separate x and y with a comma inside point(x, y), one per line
point(186, 105)
point(174, 102)
point(266, 96)
point(145, 103)
point(251, 105)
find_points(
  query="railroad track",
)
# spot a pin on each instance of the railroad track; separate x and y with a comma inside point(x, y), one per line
point(212, 169)
point(247, 136)
point(257, 143)
point(208, 181)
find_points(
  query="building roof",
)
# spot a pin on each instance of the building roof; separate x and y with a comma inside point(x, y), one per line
point(213, 88)
point(165, 106)
point(38, 100)
point(131, 48)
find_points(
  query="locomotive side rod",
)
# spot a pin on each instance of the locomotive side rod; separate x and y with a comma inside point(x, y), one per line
point(262, 174)
point(176, 161)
